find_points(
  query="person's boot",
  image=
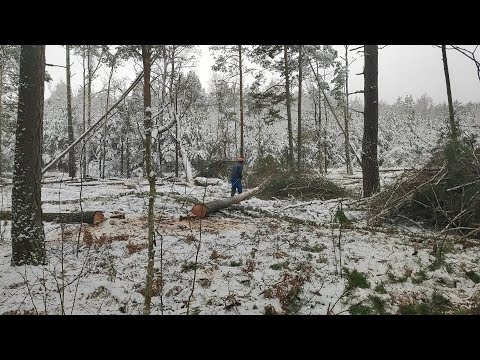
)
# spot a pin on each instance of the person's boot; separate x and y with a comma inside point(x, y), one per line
point(232, 194)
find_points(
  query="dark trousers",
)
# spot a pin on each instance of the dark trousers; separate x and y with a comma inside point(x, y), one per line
point(236, 185)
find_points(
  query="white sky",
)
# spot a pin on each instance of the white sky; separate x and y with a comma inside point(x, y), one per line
point(403, 70)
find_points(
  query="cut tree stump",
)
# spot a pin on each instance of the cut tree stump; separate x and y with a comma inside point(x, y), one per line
point(89, 217)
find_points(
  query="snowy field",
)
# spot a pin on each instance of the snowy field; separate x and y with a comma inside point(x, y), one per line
point(257, 257)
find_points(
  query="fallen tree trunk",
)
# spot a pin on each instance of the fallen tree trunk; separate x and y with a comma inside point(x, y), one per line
point(89, 217)
point(202, 210)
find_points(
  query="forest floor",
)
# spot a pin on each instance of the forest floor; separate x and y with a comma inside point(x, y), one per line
point(257, 257)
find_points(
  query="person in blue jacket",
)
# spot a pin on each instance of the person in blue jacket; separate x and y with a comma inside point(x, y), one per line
point(236, 176)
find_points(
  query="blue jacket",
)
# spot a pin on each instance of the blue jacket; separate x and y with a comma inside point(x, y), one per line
point(236, 173)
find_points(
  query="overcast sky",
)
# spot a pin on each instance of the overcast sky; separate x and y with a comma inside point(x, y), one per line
point(403, 70)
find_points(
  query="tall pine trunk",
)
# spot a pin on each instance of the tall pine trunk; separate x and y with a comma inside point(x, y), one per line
point(241, 100)
point(299, 140)
point(453, 124)
point(347, 118)
point(325, 150)
point(84, 119)
point(28, 236)
point(289, 112)
point(147, 124)
point(71, 155)
point(1, 115)
point(127, 145)
point(104, 150)
point(162, 93)
point(89, 107)
point(371, 178)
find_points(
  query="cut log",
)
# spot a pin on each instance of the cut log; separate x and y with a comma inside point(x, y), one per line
point(89, 217)
point(203, 181)
point(202, 210)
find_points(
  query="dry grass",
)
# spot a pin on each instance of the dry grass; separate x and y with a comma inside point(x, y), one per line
point(90, 239)
point(286, 291)
point(134, 248)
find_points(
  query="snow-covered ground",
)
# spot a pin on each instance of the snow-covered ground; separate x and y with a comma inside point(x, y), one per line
point(256, 257)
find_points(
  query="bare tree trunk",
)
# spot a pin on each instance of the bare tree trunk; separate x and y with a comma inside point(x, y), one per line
point(182, 152)
point(147, 124)
point(235, 121)
point(71, 155)
point(453, 124)
point(121, 156)
point(173, 100)
point(105, 126)
point(321, 154)
point(325, 150)
point(299, 141)
point(315, 119)
point(371, 178)
point(289, 113)
point(176, 136)
point(127, 154)
point(241, 101)
point(347, 117)
point(163, 88)
point(84, 144)
point(28, 236)
point(89, 106)
point(1, 114)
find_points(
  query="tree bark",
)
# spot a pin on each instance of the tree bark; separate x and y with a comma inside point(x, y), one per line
point(371, 178)
point(289, 112)
point(87, 217)
point(28, 236)
point(71, 155)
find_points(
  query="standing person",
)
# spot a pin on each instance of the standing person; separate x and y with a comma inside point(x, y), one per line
point(236, 176)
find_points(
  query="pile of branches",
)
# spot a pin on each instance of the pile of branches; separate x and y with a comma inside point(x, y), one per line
point(286, 184)
point(443, 195)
